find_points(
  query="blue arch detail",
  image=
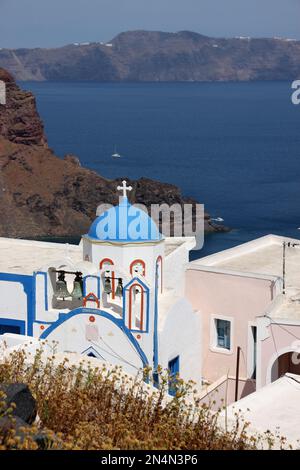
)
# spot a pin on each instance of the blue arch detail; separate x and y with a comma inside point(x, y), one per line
point(85, 292)
point(136, 279)
point(101, 313)
point(147, 291)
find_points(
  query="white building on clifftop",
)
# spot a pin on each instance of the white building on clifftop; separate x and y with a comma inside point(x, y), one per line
point(117, 296)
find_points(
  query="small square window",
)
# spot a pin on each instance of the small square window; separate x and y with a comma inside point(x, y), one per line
point(223, 330)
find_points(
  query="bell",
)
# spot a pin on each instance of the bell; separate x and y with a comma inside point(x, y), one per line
point(119, 289)
point(61, 290)
point(77, 287)
point(107, 286)
point(77, 291)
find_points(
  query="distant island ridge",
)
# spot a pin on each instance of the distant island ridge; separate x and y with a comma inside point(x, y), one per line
point(153, 56)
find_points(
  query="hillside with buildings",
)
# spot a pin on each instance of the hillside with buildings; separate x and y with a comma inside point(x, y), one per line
point(158, 56)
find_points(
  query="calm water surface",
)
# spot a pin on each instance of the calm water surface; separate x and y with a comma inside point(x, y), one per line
point(233, 146)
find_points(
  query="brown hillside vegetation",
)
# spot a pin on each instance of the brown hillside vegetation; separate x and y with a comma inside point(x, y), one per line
point(93, 408)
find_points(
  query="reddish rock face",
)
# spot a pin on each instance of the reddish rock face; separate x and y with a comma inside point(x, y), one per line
point(5, 76)
point(19, 120)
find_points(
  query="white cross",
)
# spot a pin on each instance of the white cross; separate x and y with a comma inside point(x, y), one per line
point(124, 188)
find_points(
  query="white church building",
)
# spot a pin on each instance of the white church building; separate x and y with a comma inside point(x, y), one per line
point(117, 296)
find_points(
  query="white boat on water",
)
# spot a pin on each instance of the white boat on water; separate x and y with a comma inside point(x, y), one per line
point(116, 154)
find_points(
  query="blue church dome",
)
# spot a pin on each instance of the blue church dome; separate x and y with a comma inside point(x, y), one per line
point(124, 223)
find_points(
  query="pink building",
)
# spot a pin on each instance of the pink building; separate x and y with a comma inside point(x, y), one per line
point(246, 302)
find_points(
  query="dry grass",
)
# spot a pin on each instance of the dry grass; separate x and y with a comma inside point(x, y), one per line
point(96, 408)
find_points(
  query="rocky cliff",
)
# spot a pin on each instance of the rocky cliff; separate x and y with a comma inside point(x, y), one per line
point(43, 195)
point(19, 120)
point(157, 56)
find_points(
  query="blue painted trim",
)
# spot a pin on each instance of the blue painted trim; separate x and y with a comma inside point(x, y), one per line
point(28, 283)
point(85, 293)
point(147, 290)
point(146, 330)
point(124, 316)
point(174, 367)
point(63, 317)
point(136, 279)
point(20, 323)
point(42, 273)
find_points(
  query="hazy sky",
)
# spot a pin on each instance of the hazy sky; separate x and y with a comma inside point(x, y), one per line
point(29, 23)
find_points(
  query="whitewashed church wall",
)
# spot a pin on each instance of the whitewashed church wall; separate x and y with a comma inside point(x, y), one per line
point(106, 339)
point(145, 340)
point(144, 253)
point(86, 250)
point(13, 301)
point(174, 270)
point(181, 337)
point(123, 256)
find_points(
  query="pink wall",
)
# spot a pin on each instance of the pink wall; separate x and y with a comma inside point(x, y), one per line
point(242, 298)
point(224, 393)
point(282, 338)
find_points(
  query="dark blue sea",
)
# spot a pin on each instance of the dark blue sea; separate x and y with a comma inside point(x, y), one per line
point(233, 146)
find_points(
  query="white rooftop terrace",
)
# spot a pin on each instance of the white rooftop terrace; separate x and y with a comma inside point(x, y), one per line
point(262, 257)
point(286, 307)
point(27, 256)
point(274, 407)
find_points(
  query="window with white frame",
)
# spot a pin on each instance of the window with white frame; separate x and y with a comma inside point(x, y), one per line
point(223, 334)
